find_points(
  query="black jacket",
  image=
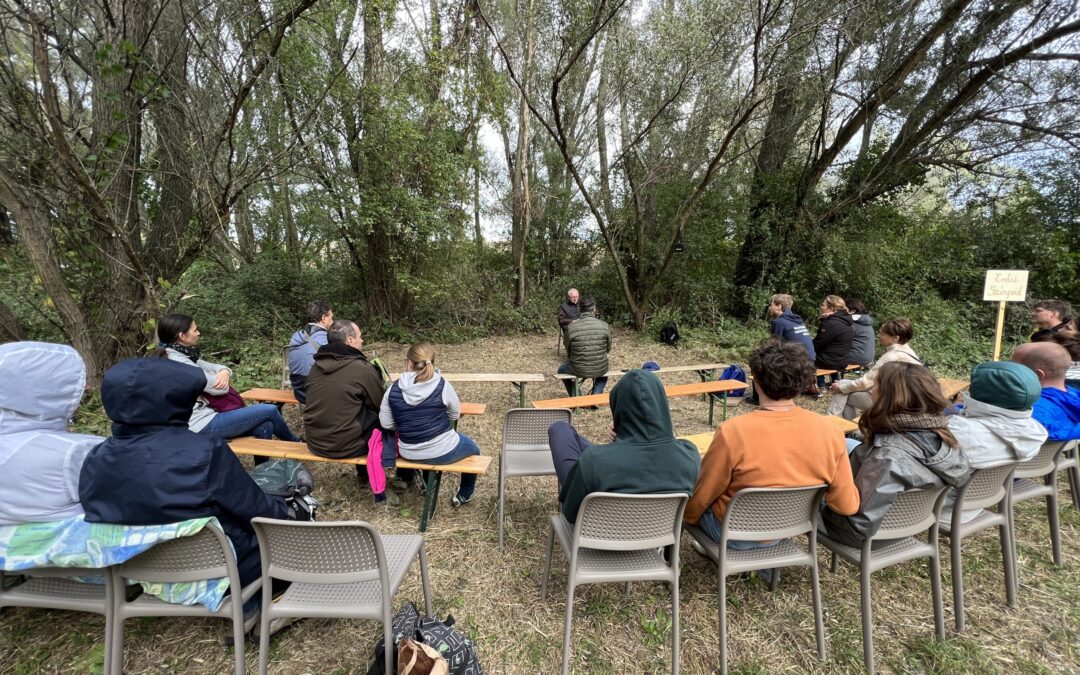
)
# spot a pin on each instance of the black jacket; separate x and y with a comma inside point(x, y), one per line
point(833, 341)
point(154, 470)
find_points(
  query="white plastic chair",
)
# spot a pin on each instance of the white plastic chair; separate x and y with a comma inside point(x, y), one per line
point(525, 450)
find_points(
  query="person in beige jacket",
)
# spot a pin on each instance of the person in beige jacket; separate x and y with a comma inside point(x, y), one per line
point(851, 397)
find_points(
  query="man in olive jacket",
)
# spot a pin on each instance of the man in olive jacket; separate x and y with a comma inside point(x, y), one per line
point(344, 391)
point(588, 341)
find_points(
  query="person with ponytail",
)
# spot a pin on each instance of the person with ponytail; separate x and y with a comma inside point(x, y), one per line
point(907, 445)
point(178, 337)
point(421, 406)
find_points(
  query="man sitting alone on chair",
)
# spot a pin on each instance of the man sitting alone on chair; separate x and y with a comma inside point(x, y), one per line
point(642, 457)
point(778, 445)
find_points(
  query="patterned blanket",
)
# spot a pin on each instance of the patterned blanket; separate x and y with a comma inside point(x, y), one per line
point(75, 543)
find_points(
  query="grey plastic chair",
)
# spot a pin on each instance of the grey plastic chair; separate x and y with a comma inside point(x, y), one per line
point(1069, 462)
point(913, 512)
point(205, 555)
point(525, 450)
point(987, 488)
point(619, 537)
point(338, 570)
point(55, 588)
point(1045, 465)
point(762, 514)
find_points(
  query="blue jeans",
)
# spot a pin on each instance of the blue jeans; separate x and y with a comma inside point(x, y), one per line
point(567, 446)
point(598, 383)
point(262, 420)
point(466, 447)
point(711, 526)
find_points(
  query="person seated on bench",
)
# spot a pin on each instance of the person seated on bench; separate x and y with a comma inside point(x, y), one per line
point(907, 445)
point(777, 445)
point(420, 406)
point(996, 425)
point(1058, 407)
point(154, 470)
point(569, 310)
point(787, 325)
point(305, 342)
point(642, 455)
point(41, 385)
point(588, 341)
point(863, 344)
point(851, 397)
point(1068, 336)
point(178, 335)
point(834, 337)
point(345, 391)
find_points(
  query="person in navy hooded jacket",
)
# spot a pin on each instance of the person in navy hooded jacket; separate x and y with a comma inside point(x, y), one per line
point(154, 470)
point(789, 326)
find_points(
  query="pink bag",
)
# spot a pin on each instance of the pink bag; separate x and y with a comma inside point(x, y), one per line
point(230, 400)
point(375, 472)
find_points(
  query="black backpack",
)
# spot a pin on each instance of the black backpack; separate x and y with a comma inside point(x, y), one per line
point(453, 645)
point(669, 334)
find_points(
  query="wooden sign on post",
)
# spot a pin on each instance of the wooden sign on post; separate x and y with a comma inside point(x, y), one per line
point(1004, 286)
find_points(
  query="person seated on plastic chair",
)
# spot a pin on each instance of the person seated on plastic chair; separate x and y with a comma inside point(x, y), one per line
point(642, 455)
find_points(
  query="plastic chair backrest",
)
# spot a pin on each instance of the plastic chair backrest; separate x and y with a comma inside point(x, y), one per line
point(623, 522)
point(757, 514)
point(1044, 461)
point(342, 552)
point(526, 429)
point(206, 554)
point(914, 511)
point(985, 488)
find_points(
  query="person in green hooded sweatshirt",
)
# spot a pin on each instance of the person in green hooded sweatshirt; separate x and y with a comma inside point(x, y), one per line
point(643, 457)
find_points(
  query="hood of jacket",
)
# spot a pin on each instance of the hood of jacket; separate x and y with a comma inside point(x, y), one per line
point(839, 316)
point(980, 427)
point(862, 319)
point(639, 408)
point(150, 392)
point(924, 451)
point(44, 384)
point(415, 392)
point(334, 356)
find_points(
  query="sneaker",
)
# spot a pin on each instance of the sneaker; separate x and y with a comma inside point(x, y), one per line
point(392, 498)
point(400, 484)
point(459, 500)
point(701, 550)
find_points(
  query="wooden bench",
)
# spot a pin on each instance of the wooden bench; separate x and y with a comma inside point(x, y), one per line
point(704, 370)
point(721, 387)
point(286, 397)
point(952, 388)
point(477, 464)
point(703, 440)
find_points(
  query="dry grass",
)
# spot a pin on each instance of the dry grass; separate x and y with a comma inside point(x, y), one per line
point(494, 594)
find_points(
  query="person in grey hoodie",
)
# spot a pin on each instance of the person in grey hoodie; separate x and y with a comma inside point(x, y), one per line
point(41, 385)
point(863, 344)
point(421, 406)
point(907, 445)
point(996, 426)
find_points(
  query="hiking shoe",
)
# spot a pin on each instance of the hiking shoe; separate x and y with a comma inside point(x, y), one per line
point(400, 484)
point(700, 549)
point(459, 500)
point(392, 498)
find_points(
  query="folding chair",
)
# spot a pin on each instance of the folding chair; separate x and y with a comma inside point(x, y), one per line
point(338, 570)
point(762, 514)
point(1045, 465)
point(525, 450)
point(618, 537)
point(205, 555)
point(985, 489)
point(55, 588)
point(913, 512)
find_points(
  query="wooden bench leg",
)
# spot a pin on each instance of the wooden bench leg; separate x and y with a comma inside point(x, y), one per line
point(521, 393)
point(431, 479)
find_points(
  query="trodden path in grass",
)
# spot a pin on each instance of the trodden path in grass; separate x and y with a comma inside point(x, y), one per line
point(494, 594)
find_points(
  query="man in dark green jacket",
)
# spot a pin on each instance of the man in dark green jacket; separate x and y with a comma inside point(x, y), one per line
point(643, 457)
point(588, 341)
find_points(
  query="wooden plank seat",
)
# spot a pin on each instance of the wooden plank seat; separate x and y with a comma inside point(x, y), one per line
point(285, 396)
point(519, 380)
point(706, 371)
point(952, 388)
point(721, 387)
point(432, 475)
point(702, 440)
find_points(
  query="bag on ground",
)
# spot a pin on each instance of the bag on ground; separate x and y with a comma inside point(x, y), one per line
point(669, 334)
point(450, 643)
point(283, 478)
point(734, 372)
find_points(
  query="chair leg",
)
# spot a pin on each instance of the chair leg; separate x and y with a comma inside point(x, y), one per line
point(834, 564)
point(1074, 483)
point(675, 625)
point(626, 589)
point(238, 635)
point(116, 660)
point(722, 610)
point(264, 625)
point(1008, 562)
point(867, 618)
point(957, 582)
point(935, 594)
point(502, 496)
point(424, 580)
point(775, 579)
point(547, 562)
point(566, 625)
point(388, 642)
point(819, 620)
point(1055, 526)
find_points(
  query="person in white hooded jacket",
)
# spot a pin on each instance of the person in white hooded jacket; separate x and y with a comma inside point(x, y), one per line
point(996, 426)
point(41, 385)
point(851, 397)
point(421, 406)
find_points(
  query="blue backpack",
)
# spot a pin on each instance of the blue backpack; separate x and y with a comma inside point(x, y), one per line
point(734, 372)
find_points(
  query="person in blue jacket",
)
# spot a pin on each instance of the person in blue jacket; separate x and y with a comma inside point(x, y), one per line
point(789, 326)
point(154, 470)
point(1058, 409)
point(305, 342)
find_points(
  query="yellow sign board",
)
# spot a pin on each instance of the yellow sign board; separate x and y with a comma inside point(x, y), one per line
point(1005, 285)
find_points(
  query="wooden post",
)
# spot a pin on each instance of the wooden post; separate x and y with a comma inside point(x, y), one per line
point(999, 331)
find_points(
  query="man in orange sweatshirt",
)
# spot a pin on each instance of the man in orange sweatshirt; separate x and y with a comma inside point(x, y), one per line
point(777, 445)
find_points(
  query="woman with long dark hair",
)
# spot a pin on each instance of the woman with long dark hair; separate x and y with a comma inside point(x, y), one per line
point(906, 445)
point(178, 337)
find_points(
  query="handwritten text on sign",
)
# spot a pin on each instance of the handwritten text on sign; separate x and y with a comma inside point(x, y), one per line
point(1005, 285)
